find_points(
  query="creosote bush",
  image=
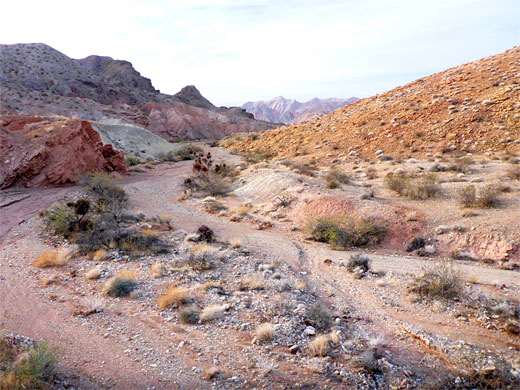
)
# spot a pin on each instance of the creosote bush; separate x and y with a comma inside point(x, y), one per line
point(486, 197)
point(438, 280)
point(420, 188)
point(345, 231)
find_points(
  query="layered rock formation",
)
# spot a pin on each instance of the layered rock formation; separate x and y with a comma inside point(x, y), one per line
point(473, 107)
point(36, 79)
point(38, 152)
point(281, 110)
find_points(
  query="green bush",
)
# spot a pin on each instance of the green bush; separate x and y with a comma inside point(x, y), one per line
point(133, 161)
point(189, 316)
point(345, 232)
point(111, 196)
point(34, 371)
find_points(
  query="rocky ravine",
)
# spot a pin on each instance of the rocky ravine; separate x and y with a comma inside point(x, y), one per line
point(282, 110)
point(36, 79)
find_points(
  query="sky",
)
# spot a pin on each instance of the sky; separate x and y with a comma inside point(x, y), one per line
point(235, 51)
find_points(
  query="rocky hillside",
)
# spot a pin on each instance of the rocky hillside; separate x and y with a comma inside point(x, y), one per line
point(474, 107)
point(36, 79)
point(282, 110)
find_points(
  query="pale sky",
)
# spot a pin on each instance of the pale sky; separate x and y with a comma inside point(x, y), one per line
point(240, 50)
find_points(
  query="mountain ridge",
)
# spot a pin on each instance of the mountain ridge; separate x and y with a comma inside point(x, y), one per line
point(282, 110)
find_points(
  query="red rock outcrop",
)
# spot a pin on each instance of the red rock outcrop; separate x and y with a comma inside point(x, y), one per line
point(37, 152)
point(172, 120)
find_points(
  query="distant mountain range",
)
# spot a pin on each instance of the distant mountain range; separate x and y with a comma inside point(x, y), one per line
point(36, 79)
point(282, 110)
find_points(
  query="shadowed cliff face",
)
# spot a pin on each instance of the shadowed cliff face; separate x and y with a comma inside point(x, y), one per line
point(36, 79)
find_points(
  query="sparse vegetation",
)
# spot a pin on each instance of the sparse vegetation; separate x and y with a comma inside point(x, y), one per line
point(208, 178)
point(251, 282)
point(318, 316)
point(189, 316)
point(513, 172)
point(212, 312)
point(173, 296)
point(358, 261)
point(301, 167)
point(132, 161)
point(335, 177)
point(438, 280)
point(486, 197)
point(345, 232)
point(264, 332)
point(420, 188)
point(120, 285)
point(33, 368)
point(50, 259)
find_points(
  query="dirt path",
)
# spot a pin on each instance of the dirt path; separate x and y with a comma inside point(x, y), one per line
point(89, 353)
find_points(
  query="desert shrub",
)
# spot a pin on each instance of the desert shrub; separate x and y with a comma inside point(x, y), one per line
point(236, 242)
point(486, 197)
point(513, 172)
point(132, 161)
point(335, 177)
point(111, 197)
point(189, 316)
point(438, 280)
point(34, 370)
point(173, 296)
point(461, 164)
point(205, 233)
point(202, 256)
point(254, 158)
point(318, 316)
point(421, 188)
point(64, 220)
point(264, 332)
point(300, 167)
point(344, 232)
point(120, 285)
point(358, 261)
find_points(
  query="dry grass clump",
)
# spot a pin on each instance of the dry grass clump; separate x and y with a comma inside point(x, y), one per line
point(358, 261)
point(158, 270)
point(345, 231)
point(100, 255)
point(486, 197)
point(202, 256)
point(420, 188)
point(264, 332)
point(320, 345)
point(251, 282)
point(438, 280)
point(236, 242)
point(173, 296)
point(212, 312)
point(120, 285)
point(94, 273)
point(50, 259)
